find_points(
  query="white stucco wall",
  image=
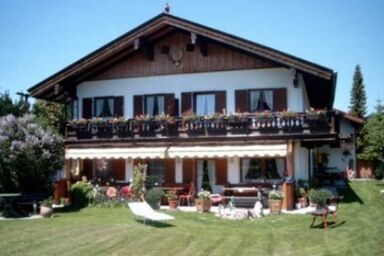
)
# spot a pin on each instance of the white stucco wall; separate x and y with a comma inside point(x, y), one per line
point(336, 161)
point(300, 162)
point(210, 81)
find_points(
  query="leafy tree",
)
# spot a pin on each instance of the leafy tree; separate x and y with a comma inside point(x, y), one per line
point(373, 132)
point(50, 114)
point(29, 155)
point(17, 108)
point(358, 101)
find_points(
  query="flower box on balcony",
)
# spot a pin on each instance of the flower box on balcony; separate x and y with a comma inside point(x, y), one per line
point(123, 128)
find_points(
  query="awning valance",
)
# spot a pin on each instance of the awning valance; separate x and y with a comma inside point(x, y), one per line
point(91, 153)
point(273, 150)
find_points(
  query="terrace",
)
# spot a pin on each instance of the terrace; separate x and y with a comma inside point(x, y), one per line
point(259, 124)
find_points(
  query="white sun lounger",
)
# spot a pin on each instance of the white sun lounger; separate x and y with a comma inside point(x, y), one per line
point(145, 211)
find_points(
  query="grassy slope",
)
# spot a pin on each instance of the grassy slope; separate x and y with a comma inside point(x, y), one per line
point(114, 231)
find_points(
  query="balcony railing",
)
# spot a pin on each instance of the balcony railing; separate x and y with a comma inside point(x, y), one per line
point(264, 123)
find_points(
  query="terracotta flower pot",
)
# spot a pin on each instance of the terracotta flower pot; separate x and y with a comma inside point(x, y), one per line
point(173, 204)
point(46, 212)
point(203, 205)
point(275, 205)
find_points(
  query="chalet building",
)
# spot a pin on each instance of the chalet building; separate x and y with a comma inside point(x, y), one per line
point(199, 105)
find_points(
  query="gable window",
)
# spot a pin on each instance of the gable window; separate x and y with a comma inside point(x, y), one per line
point(104, 107)
point(205, 104)
point(261, 100)
point(154, 105)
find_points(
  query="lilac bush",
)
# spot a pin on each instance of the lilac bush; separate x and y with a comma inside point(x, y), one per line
point(29, 155)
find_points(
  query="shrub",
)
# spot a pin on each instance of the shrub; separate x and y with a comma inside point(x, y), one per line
point(319, 196)
point(30, 155)
point(80, 193)
point(138, 183)
point(153, 197)
point(171, 195)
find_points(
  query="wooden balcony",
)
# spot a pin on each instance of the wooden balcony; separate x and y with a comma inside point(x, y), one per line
point(260, 124)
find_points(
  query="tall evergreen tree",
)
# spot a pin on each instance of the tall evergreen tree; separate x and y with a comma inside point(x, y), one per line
point(358, 101)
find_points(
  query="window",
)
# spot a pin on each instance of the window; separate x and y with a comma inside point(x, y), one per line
point(262, 168)
point(75, 109)
point(154, 105)
point(261, 100)
point(205, 104)
point(155, 172)
point(104, 107)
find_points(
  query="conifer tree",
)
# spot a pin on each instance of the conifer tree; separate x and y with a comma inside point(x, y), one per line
point(358, 101)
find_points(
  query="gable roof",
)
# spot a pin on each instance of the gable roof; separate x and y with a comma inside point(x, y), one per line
point(54, 87)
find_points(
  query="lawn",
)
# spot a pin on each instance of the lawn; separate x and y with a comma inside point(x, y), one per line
point(114, 231)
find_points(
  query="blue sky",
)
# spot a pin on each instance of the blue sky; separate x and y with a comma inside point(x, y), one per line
point(40, 37)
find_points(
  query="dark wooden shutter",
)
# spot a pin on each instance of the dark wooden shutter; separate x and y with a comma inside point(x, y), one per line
point(169, 171)
point(119, 169)
point(241, 101)
point(186, 103)
point(119, 106)
point(87, 108)
point(188, 170)
point(137, 105)
point(169, 102)
point(176, 107)
point(221, 171)
point(280, 99)
point(220, 101)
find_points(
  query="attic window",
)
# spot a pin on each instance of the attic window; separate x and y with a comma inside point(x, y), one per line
point(190, 47)
point(164, 49)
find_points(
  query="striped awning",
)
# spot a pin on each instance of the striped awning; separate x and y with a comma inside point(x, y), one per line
point(273, 150)
point(116, 153)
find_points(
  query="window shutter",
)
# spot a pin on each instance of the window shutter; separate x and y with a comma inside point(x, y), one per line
point(176, 107)
point(220, 101)
point(241, 101)
point(137, 105)
point(87, 108)
point(169, 101)
point(221, 171)
point(169, 171)
point(280, 99)
point(119, 106)
point(186, 103)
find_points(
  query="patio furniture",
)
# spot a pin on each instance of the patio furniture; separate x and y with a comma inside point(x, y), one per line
point(8, 199)
point(331, 208)
point(188, 199)
point(145, 212)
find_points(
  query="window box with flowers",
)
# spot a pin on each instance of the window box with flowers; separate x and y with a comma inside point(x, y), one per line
point(266, 122)
point(123, 127)
point(290, 121)
point(317, 120)
point(102, 126)
point(203, 201)
point(167, 125)
point(194, 124)
point(82, 128)
point(238, 123)
point(216, 124)
point(145, 126)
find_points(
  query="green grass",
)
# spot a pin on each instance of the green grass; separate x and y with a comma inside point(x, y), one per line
point(114, 231)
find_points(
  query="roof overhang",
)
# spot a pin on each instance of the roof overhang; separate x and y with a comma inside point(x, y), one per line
point(57, 87)
point(277, 150)
point(116, 153)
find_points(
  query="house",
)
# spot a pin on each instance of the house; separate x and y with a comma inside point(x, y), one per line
point(198, 105)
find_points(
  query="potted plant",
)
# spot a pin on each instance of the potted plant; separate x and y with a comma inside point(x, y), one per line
point(172, 199)
point(301, 195)
point(153, 197)
point(46, 209)
point(319, 197)
point(275, 201)
point(203, 201)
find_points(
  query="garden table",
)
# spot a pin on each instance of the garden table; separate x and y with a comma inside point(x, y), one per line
point(8, 199)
